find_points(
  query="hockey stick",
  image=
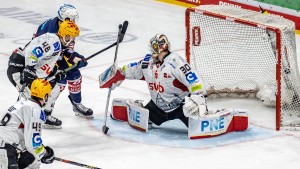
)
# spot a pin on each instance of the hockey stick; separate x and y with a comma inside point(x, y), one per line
point(75, 163)
point(121, 33)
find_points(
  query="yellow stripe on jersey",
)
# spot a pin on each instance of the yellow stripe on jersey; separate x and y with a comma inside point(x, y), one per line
point(196, 87)
point(33, 57)
point(40, 150)
point(66, 59)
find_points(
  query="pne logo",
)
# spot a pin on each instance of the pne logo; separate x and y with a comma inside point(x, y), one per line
point(212, 125)
point(134, 115)
point(156, 87)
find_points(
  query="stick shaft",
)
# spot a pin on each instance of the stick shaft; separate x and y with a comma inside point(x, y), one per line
point(75, 163)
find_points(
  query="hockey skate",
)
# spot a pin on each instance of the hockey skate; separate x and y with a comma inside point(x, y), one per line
point(81, 111)
point(51, 121)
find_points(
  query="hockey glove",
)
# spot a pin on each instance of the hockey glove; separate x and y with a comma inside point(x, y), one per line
point(195, 106)
point(60, 76)
point(25, 159)
point(49, 156)
point(111, 78)
point(28, 75)
point(81, 63)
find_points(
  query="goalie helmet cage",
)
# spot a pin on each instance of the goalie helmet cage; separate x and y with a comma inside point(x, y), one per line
point(239, 51)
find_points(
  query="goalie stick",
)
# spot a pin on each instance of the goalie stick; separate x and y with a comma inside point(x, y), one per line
point(75, 163)
point(121, 33)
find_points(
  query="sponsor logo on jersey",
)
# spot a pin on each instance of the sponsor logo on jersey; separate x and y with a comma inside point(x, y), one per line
point(196, 87)
point(172, 65)
point(43, 116)
point(36, 140)
point(212, 125)
point(167, 76)
point(46, 68)
point(133, 64)
point(157, 87)
point(56, 46)
point(38, 51)
point(156, 74)
point(191, 77)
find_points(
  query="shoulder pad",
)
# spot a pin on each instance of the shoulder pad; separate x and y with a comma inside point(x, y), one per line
point(145, 61)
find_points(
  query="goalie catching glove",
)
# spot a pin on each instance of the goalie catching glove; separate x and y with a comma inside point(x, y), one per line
point(195, 106)
point(111, 78)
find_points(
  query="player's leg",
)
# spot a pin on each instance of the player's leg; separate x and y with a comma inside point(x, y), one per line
point(156, 115)
point(178, 114)
point(15, 67)
point(8, 157)
point(51, 121)
point(74, 85)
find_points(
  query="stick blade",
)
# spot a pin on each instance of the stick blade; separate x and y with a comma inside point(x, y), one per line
point(123, 31)
point(105, 129)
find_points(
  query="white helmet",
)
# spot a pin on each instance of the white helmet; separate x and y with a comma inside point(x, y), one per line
point(68, 11)
point(159, 43)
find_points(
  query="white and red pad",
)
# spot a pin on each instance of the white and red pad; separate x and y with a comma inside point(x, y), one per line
point(110, 76)
point(218, 123)
point(127, 110)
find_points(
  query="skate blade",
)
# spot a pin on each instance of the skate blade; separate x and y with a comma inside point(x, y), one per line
point(83, 116)
point(46, 126)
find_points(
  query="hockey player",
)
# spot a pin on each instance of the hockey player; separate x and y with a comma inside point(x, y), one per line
point(73, 77)
point(38, 58)
point(21, 145)
point(174, 86)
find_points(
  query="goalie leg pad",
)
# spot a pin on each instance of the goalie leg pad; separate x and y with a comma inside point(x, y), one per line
point(119, 109)
point(132, 112)
point(138, 116)
point(217, 123)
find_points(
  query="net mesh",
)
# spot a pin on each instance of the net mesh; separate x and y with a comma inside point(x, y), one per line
point(238, 59)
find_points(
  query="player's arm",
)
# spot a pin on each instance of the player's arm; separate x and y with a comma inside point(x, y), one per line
point(113, 77)
point(32, 131)
point(32, 135)
point(73, 57)
point(195, 103)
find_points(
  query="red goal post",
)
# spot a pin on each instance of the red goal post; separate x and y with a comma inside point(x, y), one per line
point(241, 51)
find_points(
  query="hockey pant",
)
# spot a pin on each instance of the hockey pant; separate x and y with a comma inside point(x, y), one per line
point(74, 80)
point(14, 77)
point(158, 116)
point(8, 157)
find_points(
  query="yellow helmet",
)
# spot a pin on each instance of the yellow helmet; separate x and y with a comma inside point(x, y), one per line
point(40, 88)
point(68, 28)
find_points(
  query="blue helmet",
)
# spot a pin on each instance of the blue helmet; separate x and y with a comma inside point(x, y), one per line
point(67, 11)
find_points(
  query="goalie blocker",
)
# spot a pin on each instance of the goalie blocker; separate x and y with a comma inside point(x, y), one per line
point(213, 124)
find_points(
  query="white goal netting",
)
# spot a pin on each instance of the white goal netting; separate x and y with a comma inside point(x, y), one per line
point(238, 52)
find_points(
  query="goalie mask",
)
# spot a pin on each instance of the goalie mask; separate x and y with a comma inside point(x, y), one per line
point(159, 43)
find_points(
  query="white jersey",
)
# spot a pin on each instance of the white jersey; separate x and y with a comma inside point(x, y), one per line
point(21, 125)
point(168, 82)
point(42, 53)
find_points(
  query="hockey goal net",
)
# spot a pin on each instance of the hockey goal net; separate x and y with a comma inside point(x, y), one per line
point(238, 52)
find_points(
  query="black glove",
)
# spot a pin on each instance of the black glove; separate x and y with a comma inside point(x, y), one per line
point(60, 76)
point(81, 63)
point(28, 75)
point(49, 158)
point(25, 159)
